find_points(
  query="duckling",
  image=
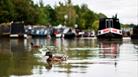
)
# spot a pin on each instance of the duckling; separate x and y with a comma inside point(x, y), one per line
point(34, 46)
point(55, 58)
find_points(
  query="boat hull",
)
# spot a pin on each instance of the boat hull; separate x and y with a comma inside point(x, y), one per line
point(135, 33)
point(134, 36)
point(109, 36)
point(110, 33)
point(69, 35)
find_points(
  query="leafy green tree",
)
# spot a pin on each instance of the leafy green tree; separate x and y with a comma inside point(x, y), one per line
point(42, 17)
point(95, 25)
point(65, 13)
point(6, 11)
point(60, 12)
point(21, 8)
point(68, 11)
point(85, 16)
point(101, 15)
point(52, 18)
point(71, 12)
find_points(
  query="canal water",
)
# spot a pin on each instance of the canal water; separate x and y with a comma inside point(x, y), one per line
point(86, 57)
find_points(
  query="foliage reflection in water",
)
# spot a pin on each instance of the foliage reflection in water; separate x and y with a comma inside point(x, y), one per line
point(86, 57)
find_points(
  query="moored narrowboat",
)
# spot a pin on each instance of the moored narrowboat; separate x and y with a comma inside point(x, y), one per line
point(17, 30)
point(135, 33)
point(68, 34)
point(109, 28)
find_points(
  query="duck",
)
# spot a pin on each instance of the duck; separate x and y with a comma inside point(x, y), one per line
point(52, 58)
point(34, 46)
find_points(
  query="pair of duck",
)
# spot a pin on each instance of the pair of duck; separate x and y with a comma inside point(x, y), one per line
point(50, 55)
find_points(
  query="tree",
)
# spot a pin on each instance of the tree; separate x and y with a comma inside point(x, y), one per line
point(66, 10)
point(42, 16)
point(101, 15)
point(52, 18)
point(95, 25)
point(65, 13)
point(85, 16)
point(6, 11)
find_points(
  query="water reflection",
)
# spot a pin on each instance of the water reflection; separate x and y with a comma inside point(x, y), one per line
point(109, 49)
point(135, 43)
point(15, 59)
point(49, 66)
point(86, 57)
point(5, 46)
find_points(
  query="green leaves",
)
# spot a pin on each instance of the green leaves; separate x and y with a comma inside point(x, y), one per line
point(65, 13)
point(95, 25)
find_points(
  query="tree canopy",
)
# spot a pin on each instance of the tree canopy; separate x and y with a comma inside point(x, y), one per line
point(63, 13)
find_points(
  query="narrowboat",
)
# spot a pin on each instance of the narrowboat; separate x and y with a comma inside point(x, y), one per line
point(135, 33)
point(38, 32)
point(68, 34)
point(17, 30)
point(109, 28)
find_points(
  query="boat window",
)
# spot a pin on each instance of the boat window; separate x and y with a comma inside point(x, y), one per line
point(111, 20)
point(106, 23)
point(109, 23)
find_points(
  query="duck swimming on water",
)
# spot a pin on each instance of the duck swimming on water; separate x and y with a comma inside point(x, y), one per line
point(55, 58)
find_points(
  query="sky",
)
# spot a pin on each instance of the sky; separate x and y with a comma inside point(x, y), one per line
point(127, 10)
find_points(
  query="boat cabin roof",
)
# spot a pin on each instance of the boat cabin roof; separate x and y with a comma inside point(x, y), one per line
point(109, 23)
